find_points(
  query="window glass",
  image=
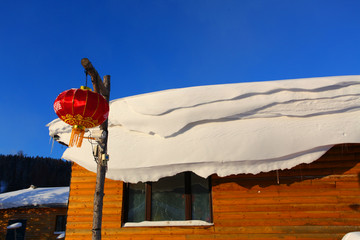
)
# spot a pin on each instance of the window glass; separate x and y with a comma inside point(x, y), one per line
point(137, 202)
point(168, 199)
point(200, 191)
point(60, 223)
point(184, 196)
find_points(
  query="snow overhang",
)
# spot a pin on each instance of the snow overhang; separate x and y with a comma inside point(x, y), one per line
point(224, 129)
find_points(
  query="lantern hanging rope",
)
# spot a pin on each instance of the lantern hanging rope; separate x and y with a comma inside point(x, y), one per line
point(81, 108)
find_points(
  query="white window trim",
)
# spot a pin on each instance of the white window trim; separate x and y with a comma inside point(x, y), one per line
point(168, 223)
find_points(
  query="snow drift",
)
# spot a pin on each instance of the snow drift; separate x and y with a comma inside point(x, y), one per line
point(224, 129)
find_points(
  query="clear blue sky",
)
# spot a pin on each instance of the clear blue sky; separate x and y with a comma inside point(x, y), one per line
point(150, 45)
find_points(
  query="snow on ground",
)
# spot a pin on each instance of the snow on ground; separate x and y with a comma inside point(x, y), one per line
point(352, 236)
point(52, 196)
point(225, 129)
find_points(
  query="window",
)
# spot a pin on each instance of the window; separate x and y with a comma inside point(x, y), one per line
point(60, 224)
point(17, 231)
point(184, 196)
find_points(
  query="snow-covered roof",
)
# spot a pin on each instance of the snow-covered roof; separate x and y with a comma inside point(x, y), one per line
point(225, 129)
point(35, 197)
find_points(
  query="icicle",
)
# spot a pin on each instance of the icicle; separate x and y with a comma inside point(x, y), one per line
point(277, 176)
point(77, 135)
point(52, 144)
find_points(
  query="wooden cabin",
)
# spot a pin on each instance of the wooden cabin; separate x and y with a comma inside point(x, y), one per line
point(41, 212)
point(280, 144)
point(320, 200)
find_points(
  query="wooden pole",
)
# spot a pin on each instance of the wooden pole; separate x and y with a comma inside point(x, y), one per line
point(99, 86)
point(104, 89)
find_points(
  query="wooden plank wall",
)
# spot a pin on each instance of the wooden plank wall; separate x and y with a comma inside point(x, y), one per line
point(79, 221)
point(320, 200)
point(40, 222)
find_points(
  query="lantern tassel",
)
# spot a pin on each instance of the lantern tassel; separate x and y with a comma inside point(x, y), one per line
point(77, 136)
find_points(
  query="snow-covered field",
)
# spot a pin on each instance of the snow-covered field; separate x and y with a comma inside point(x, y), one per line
point(225, 129)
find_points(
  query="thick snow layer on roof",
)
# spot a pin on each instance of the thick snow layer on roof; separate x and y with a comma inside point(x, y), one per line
point(53, 196)
point(225, 129)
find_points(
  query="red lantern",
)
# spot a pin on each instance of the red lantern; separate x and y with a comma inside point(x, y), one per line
point(81, 108)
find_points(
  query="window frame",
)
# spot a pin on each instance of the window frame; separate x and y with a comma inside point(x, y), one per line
point(148, 199)
point(19, 232)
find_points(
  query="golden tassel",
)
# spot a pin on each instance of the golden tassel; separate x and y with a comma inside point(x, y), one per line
point(77, 135)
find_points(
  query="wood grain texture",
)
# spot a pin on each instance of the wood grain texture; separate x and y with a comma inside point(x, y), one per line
point(40, 222)
point(320, 200)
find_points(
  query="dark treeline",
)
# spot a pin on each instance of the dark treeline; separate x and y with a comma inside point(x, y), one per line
point(19, 172)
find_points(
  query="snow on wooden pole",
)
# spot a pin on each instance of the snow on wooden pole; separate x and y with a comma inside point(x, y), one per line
point(104, 89)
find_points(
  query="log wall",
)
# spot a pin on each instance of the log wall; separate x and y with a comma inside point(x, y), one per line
point(40, 222)
point(320, 200)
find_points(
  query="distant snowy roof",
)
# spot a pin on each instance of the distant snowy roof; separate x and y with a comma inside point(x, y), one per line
point(54, 196)
point(225, 129)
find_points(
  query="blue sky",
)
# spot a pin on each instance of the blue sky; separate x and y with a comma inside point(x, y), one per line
point(150, 45)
